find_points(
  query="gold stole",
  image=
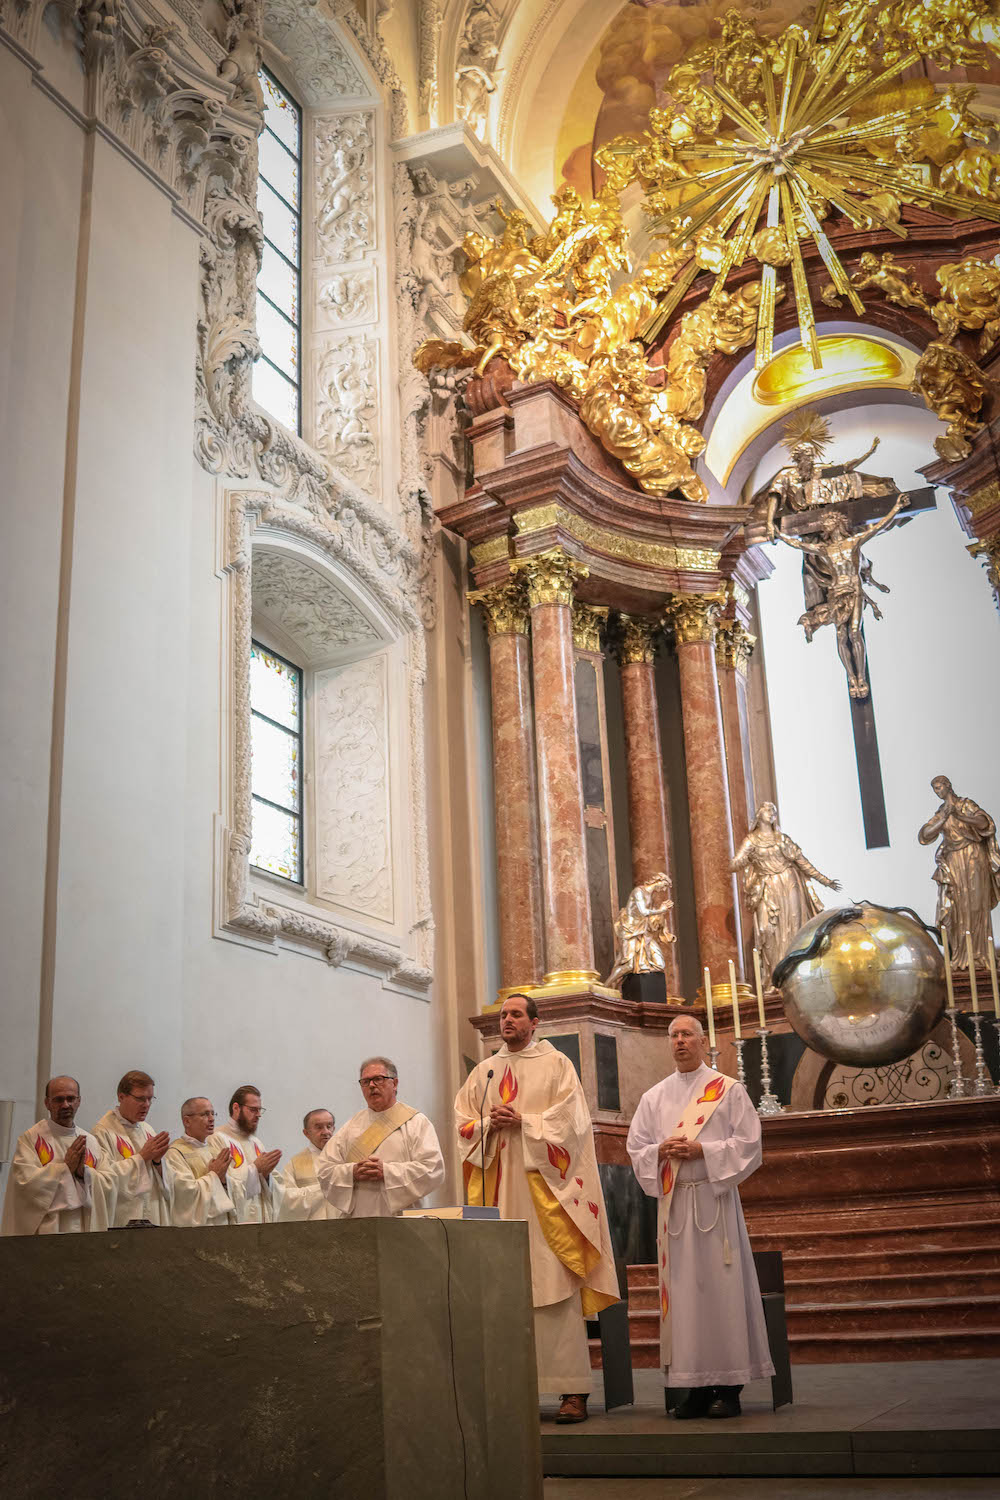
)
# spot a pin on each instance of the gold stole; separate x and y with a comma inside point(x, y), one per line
point(696, 1114)
point(389, 1120)
point(304, 1168)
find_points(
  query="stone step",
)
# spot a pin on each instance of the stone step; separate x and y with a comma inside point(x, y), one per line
point(887, 1317)
point(957, 1258)
point(902, 1286)
point(879, 1236)
point(864, 1348)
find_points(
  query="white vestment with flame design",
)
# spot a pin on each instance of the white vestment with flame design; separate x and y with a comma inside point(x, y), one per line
point(411, 1160)
point(43, 1196)
point(717, 1330)
point(301, 1195)
point(141, 1192)
point(200, 1199)
point(256, 1199)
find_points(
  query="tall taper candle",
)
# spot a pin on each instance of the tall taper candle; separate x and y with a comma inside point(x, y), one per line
point(991, 954)
point(947, 969)
point(708, 1007)
point(972, 971)
point(760, 986)
point(736, 1000)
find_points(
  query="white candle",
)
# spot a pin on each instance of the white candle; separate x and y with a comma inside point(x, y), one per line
point(947, 968)
point(760, 987)
point(972, 972)
point(708, 1007)
point(991, 954)
point(736, 1000)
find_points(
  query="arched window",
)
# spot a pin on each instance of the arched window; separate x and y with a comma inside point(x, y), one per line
point(277, 375)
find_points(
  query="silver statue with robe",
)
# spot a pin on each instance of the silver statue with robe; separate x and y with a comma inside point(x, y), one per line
point(642, 931)
point(776, 876)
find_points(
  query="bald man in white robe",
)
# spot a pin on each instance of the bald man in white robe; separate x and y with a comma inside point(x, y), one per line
point(59, 1179)
point(387, 1157)
point(199, 1162)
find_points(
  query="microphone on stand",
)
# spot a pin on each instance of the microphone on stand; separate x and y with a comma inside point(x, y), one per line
point(482, 1153)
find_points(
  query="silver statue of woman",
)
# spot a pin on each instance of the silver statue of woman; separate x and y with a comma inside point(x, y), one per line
point(967, 871)
point(776, 876)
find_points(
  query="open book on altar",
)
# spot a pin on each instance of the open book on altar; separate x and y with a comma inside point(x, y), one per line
point(468, 1211)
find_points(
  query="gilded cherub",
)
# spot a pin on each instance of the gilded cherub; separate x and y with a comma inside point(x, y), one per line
point(897, 283)
point(970, 298)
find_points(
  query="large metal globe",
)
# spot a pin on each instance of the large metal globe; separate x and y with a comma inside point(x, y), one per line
point(872, 993)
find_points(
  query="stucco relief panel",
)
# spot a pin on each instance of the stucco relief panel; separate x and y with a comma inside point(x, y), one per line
point(306, 606)
point(346, 297)
point(347, 422)
point(352, 788)
point(344, 149)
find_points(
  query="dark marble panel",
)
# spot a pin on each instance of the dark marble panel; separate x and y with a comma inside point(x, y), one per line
point(568, 1043)
point(606, 1063)
point(631, 1215)
point(601, 914)
point(647, 988)
point(589, 731)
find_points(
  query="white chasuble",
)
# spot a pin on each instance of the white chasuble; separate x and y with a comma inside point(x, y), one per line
point(200, 1199)
point(411, 1161)
point(142, 1190)
point(43, 1196)
point(301, 1195)
point(711, 1317)
point(545, 1172)
point(256, 1199)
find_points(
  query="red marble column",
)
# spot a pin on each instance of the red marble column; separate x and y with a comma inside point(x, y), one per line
point(519, 894)
point(733, 646)
point(693, 617)
point(569, 947)
point(648, 816)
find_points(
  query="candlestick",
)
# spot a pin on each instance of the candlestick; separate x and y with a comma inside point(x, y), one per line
point(983, 1083)
point(708, 1006)
point(736, 1000)
point(991, 954)
point(972, 971)
point(741, 1072)
point(956, 1089)
point(769, 1104)
point(713, 1058)
point(760, 986)
point(949, 986)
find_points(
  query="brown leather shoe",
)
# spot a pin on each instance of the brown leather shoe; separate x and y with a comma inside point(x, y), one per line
point(573, 1409)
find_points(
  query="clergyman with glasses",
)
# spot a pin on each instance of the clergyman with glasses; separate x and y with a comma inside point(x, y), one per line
point(255, 1192)
point(135, 1154)
point(386, 1158)
point(199, 1162)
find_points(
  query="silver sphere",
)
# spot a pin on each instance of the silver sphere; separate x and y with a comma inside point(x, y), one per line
point(872, 994)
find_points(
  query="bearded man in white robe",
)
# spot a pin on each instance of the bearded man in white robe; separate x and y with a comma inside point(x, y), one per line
point(301, 1195)
point(199, 1161)
point(539, 1164)
point(694, 1138)
point(386, 1158)
point(256, 1194)
point(59, 1180)
point(135, 1153)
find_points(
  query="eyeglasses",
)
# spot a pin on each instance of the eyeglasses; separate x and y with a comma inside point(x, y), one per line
point(143, 1098)
point(252, 1109)
point(202, 1114)
point(376, 1078)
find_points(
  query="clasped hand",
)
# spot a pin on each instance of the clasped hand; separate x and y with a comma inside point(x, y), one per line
point(369, 1170)
point(155, 1146)
point(504, 1117)
point(680, 1148)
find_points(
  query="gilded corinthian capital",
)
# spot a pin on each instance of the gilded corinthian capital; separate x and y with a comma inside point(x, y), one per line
point(635, 641)
point(506, 607)
point(694, 616)
point(550, 577)
point(588, 622)
point(733, 646)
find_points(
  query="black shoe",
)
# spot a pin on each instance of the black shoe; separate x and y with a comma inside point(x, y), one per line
point(727, 1402)
point(696, 1403)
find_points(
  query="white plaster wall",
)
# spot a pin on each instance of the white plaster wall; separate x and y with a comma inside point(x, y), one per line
point(933, 664)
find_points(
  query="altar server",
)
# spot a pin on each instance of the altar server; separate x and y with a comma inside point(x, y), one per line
point(301, 1195)
point(386, 1158)
point(694, 1138)
point(135, 1153)
point(255, 1193)
point(199, 1163)
point(59, 1180)
point(541, 1166)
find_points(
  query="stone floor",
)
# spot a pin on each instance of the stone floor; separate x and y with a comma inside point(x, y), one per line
point(781, 1489)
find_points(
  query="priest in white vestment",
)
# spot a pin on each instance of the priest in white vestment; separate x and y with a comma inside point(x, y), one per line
point(59, 1182)
point(255, 1192)
point(694, 1138)
point(386, 1158)
point(135, 1153)
point(541, 1166)
point(199, 1162)
point(301, 1195)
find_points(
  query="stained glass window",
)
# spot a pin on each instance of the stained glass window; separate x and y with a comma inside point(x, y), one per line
point(276, 769)
point(277, 377)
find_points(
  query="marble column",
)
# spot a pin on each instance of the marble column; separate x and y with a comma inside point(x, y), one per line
point(648, 815)
point(733, 647)
point(519, 891)
point(550, 578)
point(694, 617)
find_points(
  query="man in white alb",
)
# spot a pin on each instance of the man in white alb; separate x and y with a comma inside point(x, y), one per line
point(135, 1153)
point(386, 1158)
point(694, 1138)
point(199, 1162)
point(301, 1195)
point(59, 1181)
point(255, 1193)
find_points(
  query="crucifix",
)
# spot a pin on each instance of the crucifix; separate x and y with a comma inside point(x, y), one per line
point(828, 512)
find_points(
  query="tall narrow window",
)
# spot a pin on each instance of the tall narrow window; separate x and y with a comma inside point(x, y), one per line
point(276, 777)
point(277, 379)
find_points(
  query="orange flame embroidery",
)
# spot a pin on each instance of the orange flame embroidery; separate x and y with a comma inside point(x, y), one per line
point(594, 1209)
point(44, 1151)
point(124, 1149)
point(256, 1149)
point(89, 1158)
point(700, 1120)
point(713, 1091)
point(468, 1130)
point(508, 1087)
point(666, 1178)
point(664, 1301)
point(559, 1157)
point(236, 1155)
point(663, 1260)
point(578, 1181)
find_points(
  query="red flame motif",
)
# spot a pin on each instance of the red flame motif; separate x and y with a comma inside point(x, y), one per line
point(89, 1158)
point(713, 1091)
point(578, 1181)
point(559, 1157)
point(576, 1202)
point(594, 1209)
point(508, 1087)
point(235, 1154)
point(663, 1260)
point(468, 1130)
point(124, 1149)
point(666, 1178)
point(43, 1150)
point(256, 1149)
point(700, 1120)
point(664, 1301)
